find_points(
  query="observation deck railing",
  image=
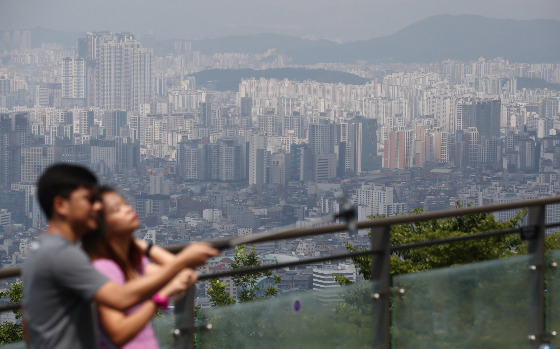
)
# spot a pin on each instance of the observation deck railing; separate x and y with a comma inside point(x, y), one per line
point(510, 302)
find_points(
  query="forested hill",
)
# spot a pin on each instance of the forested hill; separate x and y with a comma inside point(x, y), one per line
point(229, 79)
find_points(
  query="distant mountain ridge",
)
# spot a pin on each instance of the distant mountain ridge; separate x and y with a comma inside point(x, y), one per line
point(465, 37)
point(437, 38)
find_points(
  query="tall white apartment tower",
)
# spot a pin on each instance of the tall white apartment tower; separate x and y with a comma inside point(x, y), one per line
point(73, 82)
point(121, 69)
point(25, 41)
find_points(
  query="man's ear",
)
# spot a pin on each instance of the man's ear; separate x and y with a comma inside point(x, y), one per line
point(60, 206)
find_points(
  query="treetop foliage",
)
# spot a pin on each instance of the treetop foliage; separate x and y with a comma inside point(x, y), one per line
point(444, 255)
point(247, 283)
point(10, 331)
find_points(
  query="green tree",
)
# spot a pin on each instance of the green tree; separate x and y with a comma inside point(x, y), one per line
point(426, 258)
point(218, 294)
point(245, 258)
point(10, 331)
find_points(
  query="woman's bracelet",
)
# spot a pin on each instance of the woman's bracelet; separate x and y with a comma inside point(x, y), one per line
point(161, 301)
point(150, 245)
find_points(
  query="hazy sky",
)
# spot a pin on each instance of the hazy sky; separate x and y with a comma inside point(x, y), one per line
point(345, 20)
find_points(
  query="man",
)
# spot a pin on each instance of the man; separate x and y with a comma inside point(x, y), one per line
point(59, 281)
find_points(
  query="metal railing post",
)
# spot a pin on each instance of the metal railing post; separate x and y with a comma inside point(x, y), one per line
point(536, 311)
point(184, 320)
point(381, 277)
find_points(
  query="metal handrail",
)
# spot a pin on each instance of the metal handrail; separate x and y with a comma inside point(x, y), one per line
point(6, 273)
point(381, 222)
point(366, 252)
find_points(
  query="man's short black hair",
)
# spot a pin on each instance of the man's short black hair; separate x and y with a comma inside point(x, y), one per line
point(61, 180)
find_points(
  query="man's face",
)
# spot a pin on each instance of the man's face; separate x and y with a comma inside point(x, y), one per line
point(84, 206)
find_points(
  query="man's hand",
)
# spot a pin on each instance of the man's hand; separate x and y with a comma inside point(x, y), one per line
point(196, 254)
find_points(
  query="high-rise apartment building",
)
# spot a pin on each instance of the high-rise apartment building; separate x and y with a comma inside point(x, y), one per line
point(377, 200)
point(398, 151)
point(5, 86)
point(35, 159)
point(73, 82)
point(357, 145)
point(366, 144)
point(121, 71)
point(79, 154)
point(81, 120)
point(187, 160)
point(487, 118)
point(321, 137)
point(246, 106)
point(103, 156)
point(550, 107)
point(15, 134)
point(277, 169)
point(442, 108)
point(464, 117)
point(295, 124)
point(208, 161)
point(25, 41)
point(295, 161)
point(113, 121)
point(270, 124)
point(158, 183)
point(161, 87)
point(258, 159)
point(473, 144)
point(231, 160)
point(205, 113)
point(491, 153)
point(224, 161)
point(324, 167)
point(127, 154)
point(528, 155)
point(432, 144)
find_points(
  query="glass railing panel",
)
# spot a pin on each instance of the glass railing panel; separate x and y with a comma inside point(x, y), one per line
point(553, 296)
point(328, 318)
point(480, 305)
point(13, 345)
point(163, 326)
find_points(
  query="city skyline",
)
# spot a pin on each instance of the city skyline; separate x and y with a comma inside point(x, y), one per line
point(333, 20)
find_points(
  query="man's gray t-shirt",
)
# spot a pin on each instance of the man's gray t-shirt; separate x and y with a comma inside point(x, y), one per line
point(59, 282)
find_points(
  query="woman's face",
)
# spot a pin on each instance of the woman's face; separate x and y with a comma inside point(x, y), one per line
point(119, 215)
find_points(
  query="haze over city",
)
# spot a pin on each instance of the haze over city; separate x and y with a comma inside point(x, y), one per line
point(321, 19)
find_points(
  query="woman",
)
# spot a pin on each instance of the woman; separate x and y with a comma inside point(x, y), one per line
point(116, 254)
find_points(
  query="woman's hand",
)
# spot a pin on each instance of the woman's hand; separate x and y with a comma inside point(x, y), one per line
point(183, 280)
